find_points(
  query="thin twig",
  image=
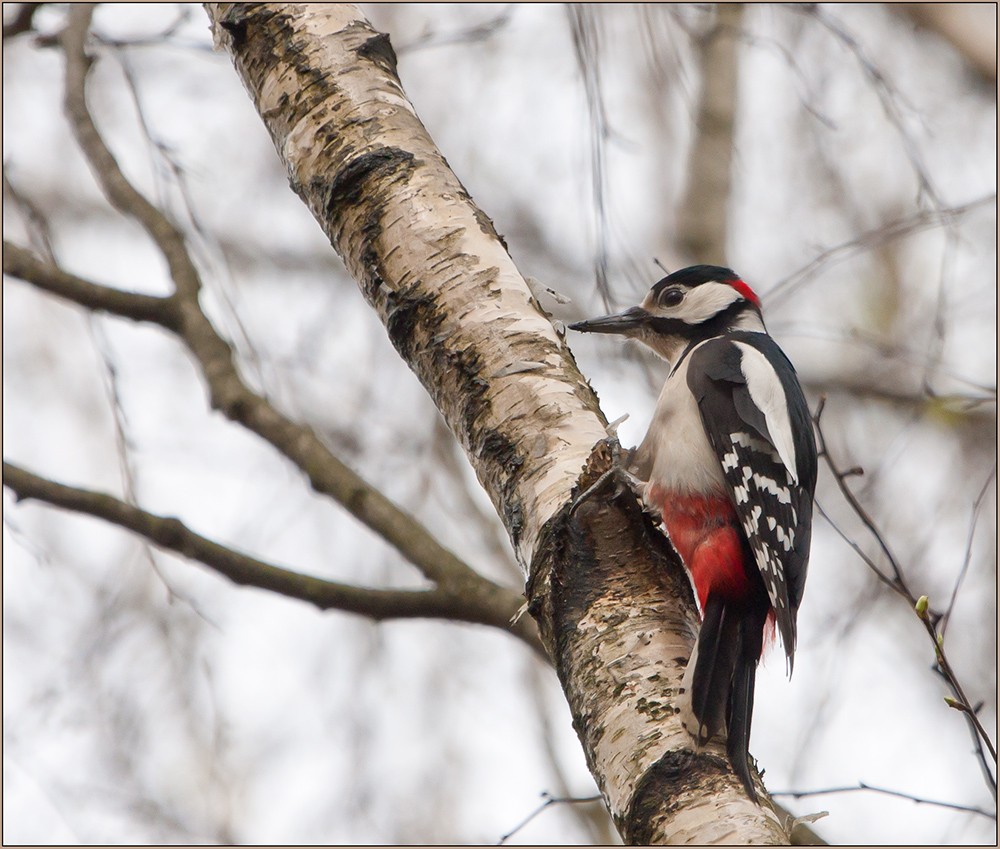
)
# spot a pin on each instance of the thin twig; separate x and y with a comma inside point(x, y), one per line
point(976, 509)
point(586, 45)
point(885, 579)
point(971, 407)
point(173, 535)
point(164, 35)
point(872, 239)
point(890, 351)
point(861, 785)
point(549, 800)
point(929, 619)
point(35, 221)
point(471, 35)
point(888, 95)
point(896, 582)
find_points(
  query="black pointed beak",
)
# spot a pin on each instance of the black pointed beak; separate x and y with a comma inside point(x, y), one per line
point(626, 323)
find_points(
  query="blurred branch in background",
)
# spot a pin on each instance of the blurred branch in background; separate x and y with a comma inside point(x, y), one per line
point(21, 21)
point(171, 534)
point(971, 28)
point(861, 785)
point(181, 314)
point(884, 234)
point(931, 618)
point(896, 106)
point(704, 211)
point(585, 28)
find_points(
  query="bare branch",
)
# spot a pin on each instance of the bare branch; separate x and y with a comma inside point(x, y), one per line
point(976, 509)
point(549, 800)
point(121, 194)
point(968, 27)
point(173, 535)
point(872, 239)
point(929, 618)
point(297, 442)
point(22, 264)
point(861, 785)
point(229, 393)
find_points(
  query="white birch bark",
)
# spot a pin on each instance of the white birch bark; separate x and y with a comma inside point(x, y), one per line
point(613, 607)
point(427, 259)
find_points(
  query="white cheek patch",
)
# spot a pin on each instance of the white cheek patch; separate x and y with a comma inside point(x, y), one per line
point(704, 301)
point(768, 394)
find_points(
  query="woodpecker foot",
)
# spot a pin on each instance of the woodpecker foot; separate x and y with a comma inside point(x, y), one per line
point(618, 472)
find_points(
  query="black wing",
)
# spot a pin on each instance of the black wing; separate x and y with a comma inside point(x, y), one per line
point(773, 504)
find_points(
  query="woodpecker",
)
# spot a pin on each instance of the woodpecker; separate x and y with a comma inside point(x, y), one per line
point(729, 463)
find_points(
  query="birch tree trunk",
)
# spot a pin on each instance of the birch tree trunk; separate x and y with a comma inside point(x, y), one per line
point(613, 605)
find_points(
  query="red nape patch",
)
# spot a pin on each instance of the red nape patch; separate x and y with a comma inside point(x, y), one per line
point(745, 291)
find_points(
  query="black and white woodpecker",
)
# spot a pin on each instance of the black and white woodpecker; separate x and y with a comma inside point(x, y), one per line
point(729, 463)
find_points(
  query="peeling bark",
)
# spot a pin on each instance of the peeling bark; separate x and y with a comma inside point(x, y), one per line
point(613, 604)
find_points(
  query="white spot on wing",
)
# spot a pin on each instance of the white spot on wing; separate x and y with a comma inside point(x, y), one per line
point(780, 492)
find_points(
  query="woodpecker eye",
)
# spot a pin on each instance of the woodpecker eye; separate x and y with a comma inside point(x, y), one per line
point(670, 297)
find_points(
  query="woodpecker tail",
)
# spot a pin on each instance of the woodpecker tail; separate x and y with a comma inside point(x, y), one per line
point(720, 681)
point(740, 711)
point(709, 673)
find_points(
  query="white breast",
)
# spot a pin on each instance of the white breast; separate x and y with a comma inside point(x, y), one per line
point(676, 455)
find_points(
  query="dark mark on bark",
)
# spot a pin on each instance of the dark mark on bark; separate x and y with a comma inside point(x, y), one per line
point(237, 29)
point(502, 454)
point(352, 182)
point(677, 772)
point(378, 50)
point(406, 313)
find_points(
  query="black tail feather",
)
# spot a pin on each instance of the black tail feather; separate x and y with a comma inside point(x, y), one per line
point(722, 683)
point(740, 710)
point(713, 670)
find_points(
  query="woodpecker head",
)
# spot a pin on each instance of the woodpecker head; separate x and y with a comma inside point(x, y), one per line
point(687, 306)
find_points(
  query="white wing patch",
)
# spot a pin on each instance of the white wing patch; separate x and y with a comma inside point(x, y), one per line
point(768, 394)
